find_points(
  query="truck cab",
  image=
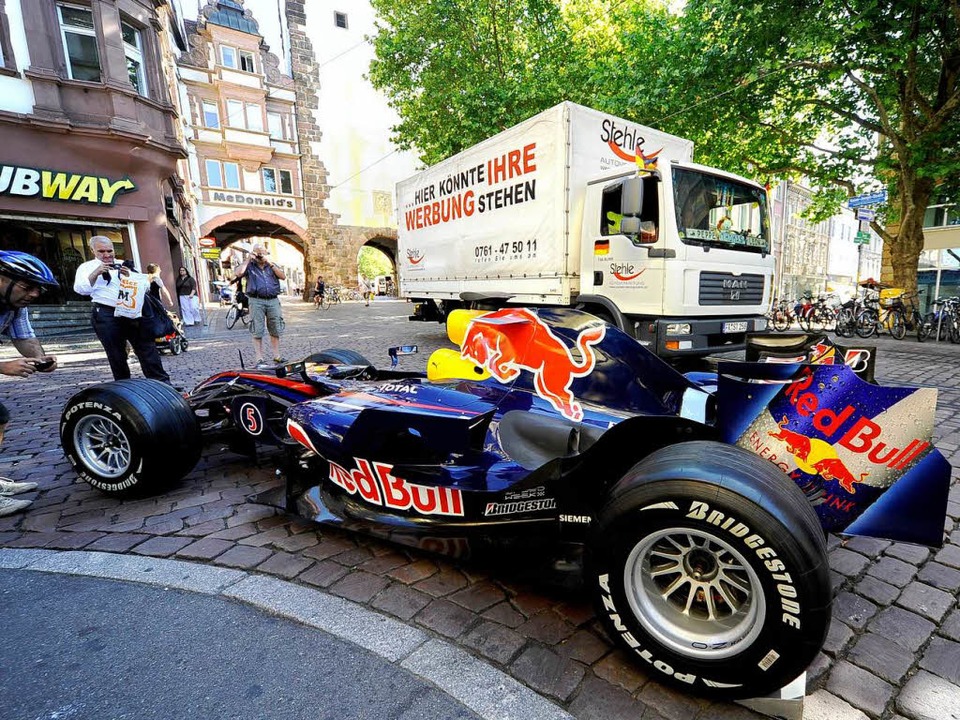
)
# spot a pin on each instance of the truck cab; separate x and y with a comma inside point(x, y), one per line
point(679, 257)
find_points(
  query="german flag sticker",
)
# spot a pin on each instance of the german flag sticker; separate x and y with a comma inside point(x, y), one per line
point(601, 247)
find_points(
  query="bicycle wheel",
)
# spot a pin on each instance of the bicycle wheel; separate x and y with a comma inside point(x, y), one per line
point(954, 332)
point(324, 303)
point(244, 316)
point(232, 314)
point(924, 326)
point(867, 323)
point(846, 323)
point(898, 325)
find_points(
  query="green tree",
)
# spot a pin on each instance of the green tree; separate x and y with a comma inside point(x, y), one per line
point(372, 262)
point(459, 71)
point(854, 94)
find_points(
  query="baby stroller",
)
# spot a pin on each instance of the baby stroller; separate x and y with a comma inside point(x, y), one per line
point(176, 342)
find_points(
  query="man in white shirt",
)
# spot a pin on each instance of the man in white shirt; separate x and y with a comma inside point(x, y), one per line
point(100, 280)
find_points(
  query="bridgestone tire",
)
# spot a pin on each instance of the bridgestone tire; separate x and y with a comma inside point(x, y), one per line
point(709, 566)
point(130, 437)
point(338, 356)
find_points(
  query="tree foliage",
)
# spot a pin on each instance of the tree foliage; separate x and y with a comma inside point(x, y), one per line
point(853, 94)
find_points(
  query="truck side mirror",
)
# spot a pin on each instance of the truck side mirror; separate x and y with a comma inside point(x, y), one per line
point(631, 199)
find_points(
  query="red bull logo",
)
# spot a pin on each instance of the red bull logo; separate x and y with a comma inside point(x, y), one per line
point(510, 340)
point(816, 457)
point(856, 433)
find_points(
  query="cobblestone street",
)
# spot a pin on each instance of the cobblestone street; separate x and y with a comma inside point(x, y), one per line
point(894, 646)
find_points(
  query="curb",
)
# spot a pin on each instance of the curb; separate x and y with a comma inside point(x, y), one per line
point(488, 692)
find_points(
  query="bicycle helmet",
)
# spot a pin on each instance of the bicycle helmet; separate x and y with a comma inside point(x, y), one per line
point(23, 266)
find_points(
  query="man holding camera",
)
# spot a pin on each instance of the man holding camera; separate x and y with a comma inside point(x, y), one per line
point(263, 286)
point(23, 279)
point(100, 280)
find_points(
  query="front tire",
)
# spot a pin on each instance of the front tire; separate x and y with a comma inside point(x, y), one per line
point(130, 437)
point(709, 564)
point(232, 315)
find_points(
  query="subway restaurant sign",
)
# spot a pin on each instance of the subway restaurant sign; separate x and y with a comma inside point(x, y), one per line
point(61, 186)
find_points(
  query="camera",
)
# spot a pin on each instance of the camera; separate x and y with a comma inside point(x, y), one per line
point(106, 275)
point(42, 364)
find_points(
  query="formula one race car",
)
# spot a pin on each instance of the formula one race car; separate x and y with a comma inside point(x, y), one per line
point(694, 507)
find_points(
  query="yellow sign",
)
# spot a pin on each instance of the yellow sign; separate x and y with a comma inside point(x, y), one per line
point(210, 253)
point(61, 186)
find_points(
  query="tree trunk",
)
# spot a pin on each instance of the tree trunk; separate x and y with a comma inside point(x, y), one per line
point(905, 251)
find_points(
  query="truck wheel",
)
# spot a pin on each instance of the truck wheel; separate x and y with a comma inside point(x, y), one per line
point(709, 565)
point(337, 356)
point(130, 437)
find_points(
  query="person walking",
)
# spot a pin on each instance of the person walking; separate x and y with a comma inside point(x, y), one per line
point(23, 279)
point(157, 288)
point(189, 300)
point(262, 287)
point(99, 279)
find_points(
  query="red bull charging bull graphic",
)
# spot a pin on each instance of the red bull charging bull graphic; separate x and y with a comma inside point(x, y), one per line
point(514, 339)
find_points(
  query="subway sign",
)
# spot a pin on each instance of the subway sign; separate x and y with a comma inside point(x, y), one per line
point(61, 186)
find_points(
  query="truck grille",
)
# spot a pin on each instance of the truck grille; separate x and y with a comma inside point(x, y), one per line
point(728, 289)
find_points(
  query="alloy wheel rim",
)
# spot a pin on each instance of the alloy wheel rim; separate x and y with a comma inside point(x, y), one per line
point(103, 446)
point(694, 593)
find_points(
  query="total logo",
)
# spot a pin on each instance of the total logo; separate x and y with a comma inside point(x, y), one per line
point(625, 271)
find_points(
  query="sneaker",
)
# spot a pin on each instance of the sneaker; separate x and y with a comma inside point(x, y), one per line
point(262, 365)
point(279, 360)
point(9, 506)
point(9, 487)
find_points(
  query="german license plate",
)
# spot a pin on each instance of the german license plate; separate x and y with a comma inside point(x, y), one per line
point(735, 327)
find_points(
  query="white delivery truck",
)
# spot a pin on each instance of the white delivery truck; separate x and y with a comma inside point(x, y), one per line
point(577, 208)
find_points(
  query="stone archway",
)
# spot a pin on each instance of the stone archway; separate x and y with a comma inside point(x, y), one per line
point(254, 222)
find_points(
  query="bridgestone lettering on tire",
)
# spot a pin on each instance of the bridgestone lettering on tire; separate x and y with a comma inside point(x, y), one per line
point(130, 437)
point(709, 566)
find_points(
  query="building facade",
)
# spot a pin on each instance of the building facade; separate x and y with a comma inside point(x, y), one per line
point(239, 117)
point(90, 145)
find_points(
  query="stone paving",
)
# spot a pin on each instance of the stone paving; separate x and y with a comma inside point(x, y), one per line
point(894, 646)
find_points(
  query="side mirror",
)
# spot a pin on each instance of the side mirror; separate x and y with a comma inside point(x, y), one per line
point(631, 200)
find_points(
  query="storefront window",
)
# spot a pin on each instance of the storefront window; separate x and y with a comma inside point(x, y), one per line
point(79, 42)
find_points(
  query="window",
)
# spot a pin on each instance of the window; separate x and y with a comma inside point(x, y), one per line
point(254, 117)
point(340, 20)
point(133, 49)
point(79, 42)
point(270, 178)
point(246, 61)
point(228, 56)
point(214, 174)
point(235, 114)
point(231, 175)
point(275, 125)
point(211, 118)
point(6, 48)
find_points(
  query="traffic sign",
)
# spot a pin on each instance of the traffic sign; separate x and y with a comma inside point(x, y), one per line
point(862, 238)
point(866, 214)
point(874, 198)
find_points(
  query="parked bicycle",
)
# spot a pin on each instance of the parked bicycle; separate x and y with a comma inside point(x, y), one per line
point(238, 311)
point(781, 315)
point(942, 322)
point(815, 316)
point(888, 313)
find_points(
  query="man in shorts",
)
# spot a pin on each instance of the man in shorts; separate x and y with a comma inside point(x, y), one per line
point(263, 288)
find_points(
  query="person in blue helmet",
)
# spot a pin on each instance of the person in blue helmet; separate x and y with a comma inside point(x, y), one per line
point(23, 279)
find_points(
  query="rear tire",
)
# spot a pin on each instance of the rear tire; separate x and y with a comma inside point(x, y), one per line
point(130, 437)
point(232, 315)
point(898, 326)
point(337, 356)
point(710, 565)
point(867, 323)
point(781, 321)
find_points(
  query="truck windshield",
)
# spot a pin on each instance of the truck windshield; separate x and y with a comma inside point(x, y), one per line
point(718, 212)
